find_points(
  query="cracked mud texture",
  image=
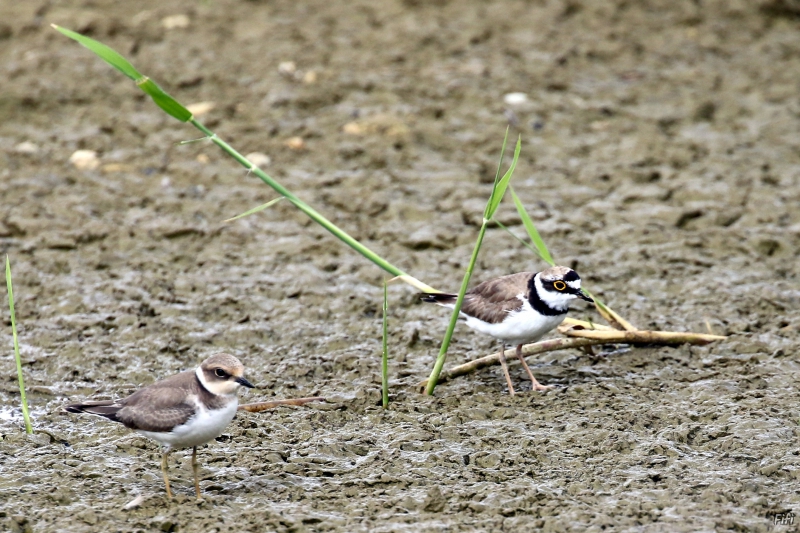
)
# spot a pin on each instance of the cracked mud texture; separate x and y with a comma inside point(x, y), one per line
point(660, 159)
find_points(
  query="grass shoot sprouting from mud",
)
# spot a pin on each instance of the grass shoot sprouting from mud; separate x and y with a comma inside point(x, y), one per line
point(385, 352)
point(25, 415)
point(498, 191)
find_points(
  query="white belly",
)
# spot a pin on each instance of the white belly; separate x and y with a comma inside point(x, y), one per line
point(520, 327)
point(201, 428)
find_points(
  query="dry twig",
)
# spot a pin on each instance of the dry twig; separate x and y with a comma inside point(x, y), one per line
point(263, 406)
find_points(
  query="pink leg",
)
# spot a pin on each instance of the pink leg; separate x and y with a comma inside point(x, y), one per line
point(535, 385)
point(502, 357)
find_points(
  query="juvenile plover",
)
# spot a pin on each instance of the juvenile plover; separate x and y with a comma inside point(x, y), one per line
point(187, 409)
point(518, 308)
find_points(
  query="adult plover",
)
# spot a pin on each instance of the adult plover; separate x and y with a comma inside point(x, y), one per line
point(518, 308)
point(187, 409)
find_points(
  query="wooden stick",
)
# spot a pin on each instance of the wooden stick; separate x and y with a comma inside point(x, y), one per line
point(578, 338)
point(263, 406)
point(642, 337)
point(528, 349)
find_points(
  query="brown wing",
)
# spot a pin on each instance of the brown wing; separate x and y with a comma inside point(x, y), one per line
point(492, 300)
point(161, 406)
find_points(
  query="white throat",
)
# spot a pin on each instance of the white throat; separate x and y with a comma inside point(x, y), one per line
point(558, 301)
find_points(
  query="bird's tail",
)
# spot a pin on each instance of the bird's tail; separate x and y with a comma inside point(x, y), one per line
point(439, 298)
point(105, 408)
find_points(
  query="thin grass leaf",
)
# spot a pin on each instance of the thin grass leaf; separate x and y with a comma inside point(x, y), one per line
point(533, 233)
point(491, 207)
point(442, 357)
point(500, 189)
point(113, 58)
point(106, 53)
point(256, 209)
point(414, 282)
point(497, 174)
point(163, 100)
point(521, 241)
point(24, 399)
point(385, 354)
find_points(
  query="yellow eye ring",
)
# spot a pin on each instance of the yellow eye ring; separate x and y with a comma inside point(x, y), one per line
point(559, 285)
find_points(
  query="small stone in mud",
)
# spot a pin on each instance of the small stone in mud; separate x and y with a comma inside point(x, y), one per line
point(26, 147)
point(84, 160)
point(287, 68)
point(201, 108)
point(259, 159)
point(515, 98)
point(175, 22)
point(295, 143)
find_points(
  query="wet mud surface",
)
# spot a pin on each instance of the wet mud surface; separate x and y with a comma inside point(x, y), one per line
point(660, 159)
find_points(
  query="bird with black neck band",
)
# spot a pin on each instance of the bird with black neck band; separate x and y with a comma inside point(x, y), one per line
point(518, 309)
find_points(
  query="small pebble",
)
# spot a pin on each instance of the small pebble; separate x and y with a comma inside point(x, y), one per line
point(287, 67)
point(26, 147)
point(259, 159)
point(515, 98)
point(85, 159)
point(295, 143)
point(200, 108)
point(353, 128)
point(310, 77)
point(175, 22)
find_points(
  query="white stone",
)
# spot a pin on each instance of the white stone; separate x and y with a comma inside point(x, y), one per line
point(515, 98)
point(85, 159)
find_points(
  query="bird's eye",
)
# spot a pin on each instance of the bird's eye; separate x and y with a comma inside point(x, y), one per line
point(220, 373)
point(559, 285)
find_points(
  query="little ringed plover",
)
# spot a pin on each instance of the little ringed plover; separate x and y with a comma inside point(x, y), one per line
point(518, 309)
point(187, 409)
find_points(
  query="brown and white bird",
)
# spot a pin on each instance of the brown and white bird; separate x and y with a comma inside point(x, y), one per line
point(518, 308)
point(181, 411)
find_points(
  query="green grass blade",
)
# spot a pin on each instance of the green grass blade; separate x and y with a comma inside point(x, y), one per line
point(494, 200)
point(500, 189)
point(256, 209)
point(440, 360)
point(166, 103)
point(25, 415)
point(385, 354)
point(533, 233)
point(163, 100)
point(523, 242)
point(312, 213)
point(106, 53)
point(496, 174)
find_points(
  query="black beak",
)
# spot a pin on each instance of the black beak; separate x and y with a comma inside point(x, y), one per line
point(244, 383)
point(583, 295)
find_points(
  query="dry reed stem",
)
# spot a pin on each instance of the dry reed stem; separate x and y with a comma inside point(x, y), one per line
point(263, 406)
point(641, 336)
point(578, 338)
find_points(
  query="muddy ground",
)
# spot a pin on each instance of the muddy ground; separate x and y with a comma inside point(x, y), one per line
point(660, 158)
